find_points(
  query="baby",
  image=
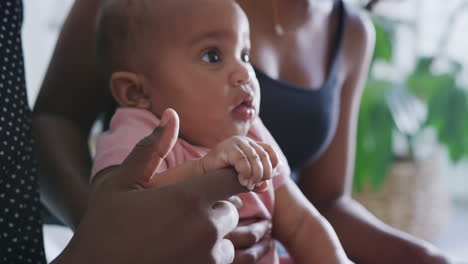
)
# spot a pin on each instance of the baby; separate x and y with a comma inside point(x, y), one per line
point(193, 56)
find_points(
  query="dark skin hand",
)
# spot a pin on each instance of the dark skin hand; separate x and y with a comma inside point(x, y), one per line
point(62, 124)
point(326, 182)
point(249, 242)
point(72, 97)
point(125, 223)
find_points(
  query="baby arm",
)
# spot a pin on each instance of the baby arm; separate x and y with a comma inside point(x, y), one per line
point(306, 234)
point(254, 162)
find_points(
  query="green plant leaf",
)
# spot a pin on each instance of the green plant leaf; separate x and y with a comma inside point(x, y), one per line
point(374, 145)
point(447, 105)
point(383, 45)
point(447, 113)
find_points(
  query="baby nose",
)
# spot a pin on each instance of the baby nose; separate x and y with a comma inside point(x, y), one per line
point(241, 75)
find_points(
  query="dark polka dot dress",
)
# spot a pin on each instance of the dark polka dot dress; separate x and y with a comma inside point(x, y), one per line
point(20, 219)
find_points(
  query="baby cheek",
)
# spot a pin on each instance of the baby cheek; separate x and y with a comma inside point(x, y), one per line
point(255, 82)
point(256, 88)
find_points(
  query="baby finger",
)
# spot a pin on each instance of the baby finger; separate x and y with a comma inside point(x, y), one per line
point(265, 159)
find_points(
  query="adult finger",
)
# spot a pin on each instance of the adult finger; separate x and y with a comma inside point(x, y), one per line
point(224, 216)
point(236, 201)
point(210, 189)
point(223, 252)
point(214, 186)
point(254, 253)
point(150, 152)
point(246, 236)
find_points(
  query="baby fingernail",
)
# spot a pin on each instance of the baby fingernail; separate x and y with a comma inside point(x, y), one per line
point(244, 182)
point(251, 185)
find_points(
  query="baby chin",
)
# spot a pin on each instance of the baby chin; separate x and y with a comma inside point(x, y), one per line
point(243, 126)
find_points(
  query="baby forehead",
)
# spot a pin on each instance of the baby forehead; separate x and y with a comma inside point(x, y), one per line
point(179, 7)
point(184, 11)
point(179, 18)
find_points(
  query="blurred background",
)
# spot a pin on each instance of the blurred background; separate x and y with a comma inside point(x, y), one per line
point(412, 154)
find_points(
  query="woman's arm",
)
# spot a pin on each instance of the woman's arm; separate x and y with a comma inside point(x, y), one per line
point(327, 182)
point(155, 220)
point(306, 234)
point(71, 97)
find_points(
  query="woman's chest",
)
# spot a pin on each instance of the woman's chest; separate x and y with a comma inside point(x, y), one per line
point(295, 62)
point(302, 121)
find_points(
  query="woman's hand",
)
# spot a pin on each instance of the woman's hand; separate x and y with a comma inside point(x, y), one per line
point(181, 223)
point(251, 241)
point(430, 255)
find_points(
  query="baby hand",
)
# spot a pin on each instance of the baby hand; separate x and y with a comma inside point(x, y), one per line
point(255, 162)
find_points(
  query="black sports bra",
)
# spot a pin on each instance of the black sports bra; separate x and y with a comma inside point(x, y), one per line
point(303, 121)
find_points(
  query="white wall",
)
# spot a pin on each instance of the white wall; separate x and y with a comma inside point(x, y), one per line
point(42, 21)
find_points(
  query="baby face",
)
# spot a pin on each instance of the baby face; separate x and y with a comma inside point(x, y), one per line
point(202, 70)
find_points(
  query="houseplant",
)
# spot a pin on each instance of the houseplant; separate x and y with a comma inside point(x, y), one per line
point(401, 188)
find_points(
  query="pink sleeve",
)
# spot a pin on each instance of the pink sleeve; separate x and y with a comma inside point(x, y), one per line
point(128, 126)
point(260, 133)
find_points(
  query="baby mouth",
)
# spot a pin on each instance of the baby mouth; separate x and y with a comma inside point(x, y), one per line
point(245, 110)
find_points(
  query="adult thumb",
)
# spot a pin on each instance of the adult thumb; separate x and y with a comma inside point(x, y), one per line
point(214, 186)
point(149, 153)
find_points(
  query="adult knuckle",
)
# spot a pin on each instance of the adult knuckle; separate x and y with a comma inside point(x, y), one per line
point(251, 238)
point(248, 258)
point(211, 230)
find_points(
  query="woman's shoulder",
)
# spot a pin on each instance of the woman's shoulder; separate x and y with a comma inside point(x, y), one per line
point(358, 47)
point(359, 38)
point(360, 31)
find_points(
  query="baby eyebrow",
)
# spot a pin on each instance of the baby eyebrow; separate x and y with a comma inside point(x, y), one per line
point(216, 34)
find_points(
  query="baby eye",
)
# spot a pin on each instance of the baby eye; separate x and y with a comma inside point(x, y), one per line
point(245, 57)
point(212, 56)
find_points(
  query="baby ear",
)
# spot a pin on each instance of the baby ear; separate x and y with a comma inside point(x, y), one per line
point(128, 91)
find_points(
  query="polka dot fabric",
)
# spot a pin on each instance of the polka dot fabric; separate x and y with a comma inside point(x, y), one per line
point(20, 218)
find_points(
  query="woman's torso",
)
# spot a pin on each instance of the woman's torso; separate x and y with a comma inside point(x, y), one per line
point(301, 112)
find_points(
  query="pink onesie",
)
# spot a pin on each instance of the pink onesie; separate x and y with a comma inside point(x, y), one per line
point(130, 125)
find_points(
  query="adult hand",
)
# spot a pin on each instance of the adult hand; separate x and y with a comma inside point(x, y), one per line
point(180, 223)
point(251, 241)
point(431, 255)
